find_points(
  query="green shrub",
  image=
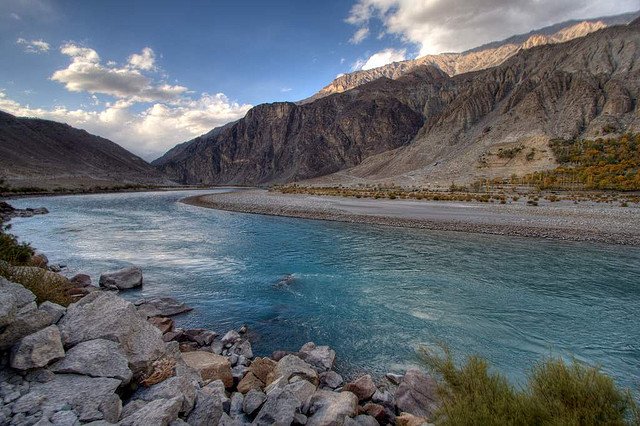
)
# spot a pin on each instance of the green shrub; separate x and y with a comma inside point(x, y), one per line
point(13, 252)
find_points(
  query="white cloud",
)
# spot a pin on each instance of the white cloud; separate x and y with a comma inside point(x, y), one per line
point(85, 73)
point(285, 89)
point(453, 25)
point(359, 35)
point(33, 46)
point(143, 61)
point(379, 59)
point(149, 133)
point(15, 16)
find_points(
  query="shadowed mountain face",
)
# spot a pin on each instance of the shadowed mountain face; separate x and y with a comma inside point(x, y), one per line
point(426, 126)
point(46, 154)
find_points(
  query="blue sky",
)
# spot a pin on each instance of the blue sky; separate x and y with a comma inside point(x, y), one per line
point(150, 74)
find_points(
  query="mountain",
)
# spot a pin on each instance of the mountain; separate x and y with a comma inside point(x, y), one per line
point(425, 126)
point(46, 154)
point(482, 57)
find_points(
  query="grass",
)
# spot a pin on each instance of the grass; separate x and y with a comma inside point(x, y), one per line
point(556, 393)
point(13, 252)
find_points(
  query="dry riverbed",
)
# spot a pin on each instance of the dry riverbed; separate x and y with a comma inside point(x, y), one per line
point(563, 220)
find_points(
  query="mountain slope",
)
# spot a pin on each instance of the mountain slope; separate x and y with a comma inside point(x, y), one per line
point(479, 58)
point(47, 154)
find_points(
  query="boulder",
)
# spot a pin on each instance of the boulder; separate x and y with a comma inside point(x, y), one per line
point(291, 366)
point(331, 408)
point(417, 394)
point(376, 411)
point(173, 387)
point(8, 308)
point(362, 420)
point(406, 419)
point(262, 367)
point(161, 307)
point(164, 324)
point(279, 409)
point(91, 398)
point(302, 390)
point(209, 405)
point(253, 400)
point(200, 336)
point(385, 398)
point(22, 295)
point(96, 358)
point(363, 387)
point(158, 412)
point(122, 279)
point(210, 366)
point(54, 309)
point(395, 379)
point(242, 348)
point(235, 405)
point(104, 315)
point(37, 349)
point(80, 280)
point(230, 337)
point(331, 379)
point(249, 382)
point(320, 357)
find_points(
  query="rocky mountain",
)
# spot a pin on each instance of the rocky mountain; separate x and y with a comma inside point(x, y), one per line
point(46, 154)
point(482, 57)
point(427, 127)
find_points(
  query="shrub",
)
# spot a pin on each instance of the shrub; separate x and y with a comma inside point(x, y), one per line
point(45, 284)
point(13, 252)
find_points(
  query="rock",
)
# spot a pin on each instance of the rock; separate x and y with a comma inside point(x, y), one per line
point(363, 387)
point(365, 420)
point(331, 379)
point(210, 366)
point(376, 411)
point(161, 307)
point(189, 346)
point(8, 308)
point(278, 355)
point(64, 418)
point(164, 324)
point(249, 382)
point(279, 409)
point(25, 323)
point(80, 280)
point(96, 358)
point(291, 366)
point(216, 347)
point(104, 315)
point(321, 357)
point(262, 367)
point(54, 309)
point(172, 335)
point(230, 337)
point(331, 408)
point(122, 279)
point(199, 335)
point(243, 329)
point(303, 391)
point(235, 406)
point(384, 397)
point(406, 419)
point(242, 348)
point(299, 419)
point(395, 379)
point(173, 387)
point(208, 408)
point(238, 372)
point(22, 295)
point(417, 394)
point(37, 349)
point(253, 400)
point(91, 398)
point(226, 420)
point(159, 412)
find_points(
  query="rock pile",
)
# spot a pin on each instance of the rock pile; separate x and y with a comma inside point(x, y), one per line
point(104, 360)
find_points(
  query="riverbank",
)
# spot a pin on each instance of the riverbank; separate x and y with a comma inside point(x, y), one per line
point(563, 220)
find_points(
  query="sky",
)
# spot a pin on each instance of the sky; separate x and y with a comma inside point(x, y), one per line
point(149, 74)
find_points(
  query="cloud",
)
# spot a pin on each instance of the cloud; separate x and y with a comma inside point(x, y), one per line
point(15, 16)
point(33, 46)
point(148, 133)
point(359, 35)
point(379, 59)
point(437, 26)
point(285, 89)
point(86, 73)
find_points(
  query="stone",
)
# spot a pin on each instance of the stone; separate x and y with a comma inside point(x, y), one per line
point(8, 308)
point(104, 315)
point(303, 391)
point(96, 358)
point(158, 412)
point(279, 409)
point(164, 324)
point(56, 311)
point(406, 419)
point(417, 394)
point(320, 357)
point(291, 366)
point(242, 348)
point(331, 379)
point(37, 349)
point(376, 411)
point(230, 337)
point(122, 279)
point(22, 295)
point(253, 400)
point(363, 387)
point(91, 398)
point(199, 335)
point(210, 366)
point(216, 347)
point(80, 280)
point(243, 329)
point(238, 372)
point(299, 419)
point(161, 307)
point(173, 387)
point(235, 405)
point(172, 335)
point(278, 355)
point(365, 420)
point(395, 379)
point(64, 418)
point(331, 408)
point(208, 408)
point(249, 382)
point(262, 367)
point(384, 397)
point(23, 324)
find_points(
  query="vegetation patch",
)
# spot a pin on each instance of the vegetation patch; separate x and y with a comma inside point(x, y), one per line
point(509, 153)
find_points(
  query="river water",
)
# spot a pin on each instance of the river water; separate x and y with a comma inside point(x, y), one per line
point(374, 294)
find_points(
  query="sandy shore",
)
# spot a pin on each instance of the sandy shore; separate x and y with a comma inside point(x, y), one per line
point(561, 220)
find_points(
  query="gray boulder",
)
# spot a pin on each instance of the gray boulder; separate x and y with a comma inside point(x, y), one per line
point(91, 398)
point(22, 295)
point(230, 337)
point(417, 394)
point(363, 387)
point(242, 347)
point(104, 315)
point(210, 405)
point(37, 349)
point(56, 311)
point(331, 408)
point(122, 279)
point(235, 405)
point(302, 390)
point(96, 358)
point(8, 308)
point(279, 408)
point(290, 366)
point(161, 307)
point(253, 400)
point(331, 379)
point(25, 323)
point(321, 357)
point(173, 387)
point(158, 412)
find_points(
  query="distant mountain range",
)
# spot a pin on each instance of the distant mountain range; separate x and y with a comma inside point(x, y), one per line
point(437, 119)
point(48, 155)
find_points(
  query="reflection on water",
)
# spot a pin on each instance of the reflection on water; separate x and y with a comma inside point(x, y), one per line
point(373, 293)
